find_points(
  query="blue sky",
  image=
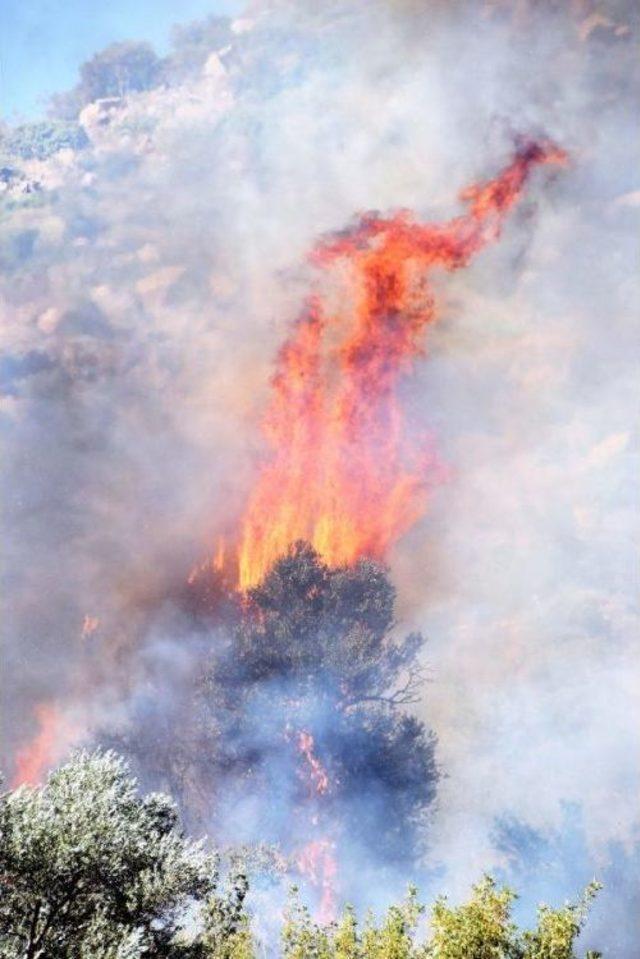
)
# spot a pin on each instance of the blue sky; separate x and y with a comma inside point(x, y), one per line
point(43, 42)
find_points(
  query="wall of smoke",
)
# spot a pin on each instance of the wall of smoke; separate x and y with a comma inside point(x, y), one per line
point(142, 305)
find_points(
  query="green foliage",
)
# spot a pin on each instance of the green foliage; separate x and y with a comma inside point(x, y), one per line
point(558, 928)
point(41, 140)
point(90, 869)
point(301, 936)
point(119, 69)
point(482, 928)
point(393, 938)
point(226, 933)
point(479, 929)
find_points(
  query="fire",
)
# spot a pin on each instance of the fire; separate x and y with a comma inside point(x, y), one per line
point(343, 474)
point(317, 860)
point(55, 734)
point(198, 570)
point(317, 773)
point(318, 863)
point(215, 564)
point(220, 555)
point(89, 626)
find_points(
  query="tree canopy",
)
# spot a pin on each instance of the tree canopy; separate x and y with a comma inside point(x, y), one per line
point(121, 68)
point(89, 868)
point(311, 655)
point(315, 652)
point(481, 928)
point(38, 141)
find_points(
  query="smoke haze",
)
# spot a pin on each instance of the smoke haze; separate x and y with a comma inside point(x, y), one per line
point(147, 284)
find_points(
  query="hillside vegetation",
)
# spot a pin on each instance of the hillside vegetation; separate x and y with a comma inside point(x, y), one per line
point(91, 869)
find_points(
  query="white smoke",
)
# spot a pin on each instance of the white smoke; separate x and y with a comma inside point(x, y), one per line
point(144, 298)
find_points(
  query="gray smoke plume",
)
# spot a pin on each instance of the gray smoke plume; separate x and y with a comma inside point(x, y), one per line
point(147, 281)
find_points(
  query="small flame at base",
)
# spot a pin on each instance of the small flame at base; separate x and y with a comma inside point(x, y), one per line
point(55, 735)
point(317, 861)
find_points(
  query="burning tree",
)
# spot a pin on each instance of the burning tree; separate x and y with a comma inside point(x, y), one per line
point(310, 696)
point(282, 713)
point(91, 868)
point(304, 702)
point(294, 728)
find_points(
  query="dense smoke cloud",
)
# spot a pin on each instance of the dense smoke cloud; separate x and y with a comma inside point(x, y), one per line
point(148, 281)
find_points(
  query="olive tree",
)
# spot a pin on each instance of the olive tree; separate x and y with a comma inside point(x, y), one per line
point(89, 868)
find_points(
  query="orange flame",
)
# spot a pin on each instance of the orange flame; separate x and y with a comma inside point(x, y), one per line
point(317, 773)
point(55, 734)
point(89, 626)
point(220, 555)
point(317, 859)
point(318, 863)
point(343, 474)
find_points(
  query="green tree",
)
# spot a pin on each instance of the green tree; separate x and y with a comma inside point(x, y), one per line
point(41, 140)
point(481, 928)
point(227, 933)
point(558, 929)
point(394, 937)
point(119, 69)
point(89, 868)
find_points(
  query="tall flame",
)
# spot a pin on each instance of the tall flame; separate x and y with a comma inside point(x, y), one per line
point(343, 474)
